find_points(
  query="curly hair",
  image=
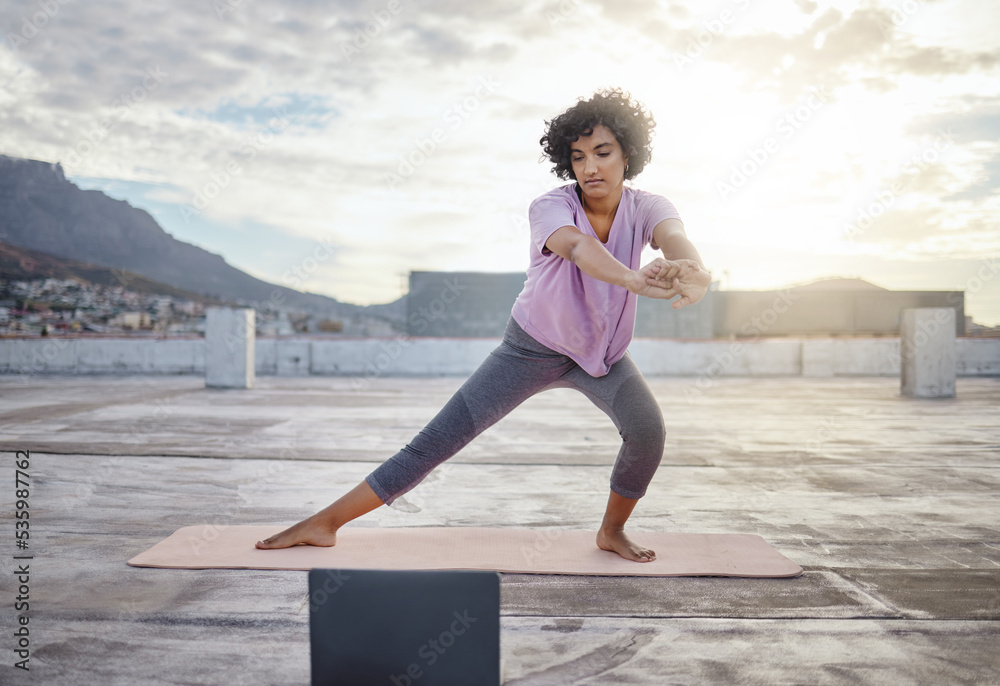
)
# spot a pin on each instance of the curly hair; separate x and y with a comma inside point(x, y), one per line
point(631, 123)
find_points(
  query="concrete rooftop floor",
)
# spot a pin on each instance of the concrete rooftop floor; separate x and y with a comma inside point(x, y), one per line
point(890, 504)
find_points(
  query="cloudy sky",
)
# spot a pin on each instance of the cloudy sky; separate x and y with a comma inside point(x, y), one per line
point(336, 146)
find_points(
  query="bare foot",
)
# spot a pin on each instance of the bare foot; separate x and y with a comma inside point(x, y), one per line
point(617, 541)
point(312, 531)
point(321, 528)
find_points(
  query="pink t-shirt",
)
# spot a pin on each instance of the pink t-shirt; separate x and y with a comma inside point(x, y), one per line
point(568, 311)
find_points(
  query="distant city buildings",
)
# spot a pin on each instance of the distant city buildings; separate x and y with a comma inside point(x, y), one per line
point(62, 306)
point(51, 307)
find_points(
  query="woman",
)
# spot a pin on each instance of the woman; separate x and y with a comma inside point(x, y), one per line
point(571, 324)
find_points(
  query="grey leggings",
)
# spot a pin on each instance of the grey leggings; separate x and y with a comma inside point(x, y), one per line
point(516, 370)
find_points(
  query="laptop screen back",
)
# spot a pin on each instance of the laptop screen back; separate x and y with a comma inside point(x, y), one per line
point(404, 628)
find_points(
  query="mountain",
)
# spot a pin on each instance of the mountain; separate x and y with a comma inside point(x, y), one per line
point(41, 210)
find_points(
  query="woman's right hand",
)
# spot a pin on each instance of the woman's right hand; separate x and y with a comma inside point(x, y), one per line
point(656, 279)
point(684, 277)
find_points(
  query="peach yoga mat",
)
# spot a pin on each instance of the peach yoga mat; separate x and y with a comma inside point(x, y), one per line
point(526, 551)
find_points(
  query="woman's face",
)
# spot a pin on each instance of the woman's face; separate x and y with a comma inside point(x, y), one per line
point(598, 163)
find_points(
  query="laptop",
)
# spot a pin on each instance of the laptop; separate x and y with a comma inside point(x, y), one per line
point(371, 627)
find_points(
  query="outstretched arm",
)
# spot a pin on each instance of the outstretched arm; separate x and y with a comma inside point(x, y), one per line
point(689, 278)
point(593, 259)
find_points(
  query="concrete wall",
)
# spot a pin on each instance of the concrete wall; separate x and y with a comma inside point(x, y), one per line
point(401, 356)
point(103, 356)
point(977, 357)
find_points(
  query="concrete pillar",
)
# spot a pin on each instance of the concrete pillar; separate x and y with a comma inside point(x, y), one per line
point(927, 349)
point(229, 347)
